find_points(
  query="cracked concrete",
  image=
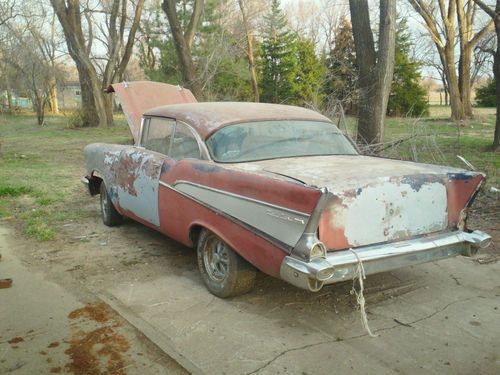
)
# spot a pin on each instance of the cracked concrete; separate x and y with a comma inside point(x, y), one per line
point(437, 318)
point(426, 321)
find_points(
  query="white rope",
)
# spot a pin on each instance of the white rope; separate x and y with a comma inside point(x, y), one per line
point(360, 275)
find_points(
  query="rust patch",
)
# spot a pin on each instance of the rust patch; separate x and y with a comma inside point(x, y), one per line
point(55, 370)
point(101, 350)
point(16, 340)
point(124, 172)
point(5, 283)
point(97, 352)
point(99, 312)
point(54, 344)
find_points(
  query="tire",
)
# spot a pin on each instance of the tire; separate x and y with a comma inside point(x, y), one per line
point(224, 272)
point(110, 216)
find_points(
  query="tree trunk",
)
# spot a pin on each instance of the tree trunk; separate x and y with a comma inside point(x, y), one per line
point(53, 102)
point(188, 69)
point(375, 68)
point(89, 109)
point(496, 72)
point(183, 42)
point(253, 70)
point(448, 60)
point(96, 106)
point(464, 84)
point(250, 52)
point(9, 100)
point(108, 105)
point(468, 40)
point(9, 93)
point(39, 105)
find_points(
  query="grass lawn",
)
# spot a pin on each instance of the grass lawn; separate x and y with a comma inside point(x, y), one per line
point(41, 167)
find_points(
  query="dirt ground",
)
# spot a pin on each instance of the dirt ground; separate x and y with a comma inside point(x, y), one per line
point(438, 318)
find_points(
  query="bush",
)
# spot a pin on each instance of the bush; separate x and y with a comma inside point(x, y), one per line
point(77, 119)
point(486, 95)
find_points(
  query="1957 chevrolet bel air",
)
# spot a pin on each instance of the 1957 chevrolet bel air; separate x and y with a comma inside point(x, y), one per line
point(277, 188)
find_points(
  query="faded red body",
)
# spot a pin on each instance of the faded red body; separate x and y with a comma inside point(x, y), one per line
point(270, 210)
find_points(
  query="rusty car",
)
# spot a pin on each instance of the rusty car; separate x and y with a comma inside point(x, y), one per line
point(274, 188)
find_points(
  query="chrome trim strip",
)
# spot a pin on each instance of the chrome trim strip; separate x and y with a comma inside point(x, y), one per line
point(240, 197)
point(342, 265)
point(139, 139)
point(266, 236)
point(302, 248)
point(282, 224)
point(204, 154)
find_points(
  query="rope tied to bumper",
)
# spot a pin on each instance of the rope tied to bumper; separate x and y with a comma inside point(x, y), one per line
point(360, 298)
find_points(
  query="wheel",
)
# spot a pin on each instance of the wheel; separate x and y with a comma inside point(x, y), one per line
point(224, 272)
point(110, 216)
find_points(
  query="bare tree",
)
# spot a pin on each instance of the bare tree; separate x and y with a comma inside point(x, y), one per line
point(183, 40)
point(44, 33)
point(8, 11)
point(96, 106)
point(483, 56)
point(495, 16)
point(375, 67)
point(468, 39)
point(250, 49)
point(453, 14)
point(30, 70)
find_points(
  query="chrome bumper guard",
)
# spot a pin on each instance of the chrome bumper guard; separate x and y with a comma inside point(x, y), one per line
point(342, 265)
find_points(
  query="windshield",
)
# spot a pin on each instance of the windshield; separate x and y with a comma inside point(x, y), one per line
point(277, 139)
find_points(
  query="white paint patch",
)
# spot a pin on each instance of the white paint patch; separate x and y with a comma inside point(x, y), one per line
point(391, 211)
point(145, 203)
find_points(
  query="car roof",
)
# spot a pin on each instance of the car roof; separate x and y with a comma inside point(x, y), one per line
point(207, 117)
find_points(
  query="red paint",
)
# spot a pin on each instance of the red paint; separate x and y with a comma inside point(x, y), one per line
point(279, 192)
point(179, 213)
point(460, 192)
point(332, 235)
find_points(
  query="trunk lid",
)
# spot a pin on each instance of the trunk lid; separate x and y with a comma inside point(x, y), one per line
point(378, 200)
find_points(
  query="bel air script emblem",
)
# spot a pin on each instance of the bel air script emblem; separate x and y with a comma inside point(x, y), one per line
point(284, 216)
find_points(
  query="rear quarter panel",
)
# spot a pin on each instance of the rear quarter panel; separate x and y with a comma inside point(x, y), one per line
point(181, 209)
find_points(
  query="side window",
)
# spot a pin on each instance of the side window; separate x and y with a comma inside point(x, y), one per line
point(185, 144)
point(157, 133)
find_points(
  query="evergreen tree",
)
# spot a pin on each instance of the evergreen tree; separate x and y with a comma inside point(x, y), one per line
point(279, 65)
point(310, 74)
point(342, 76)
point(486, 95)
point(407, 96)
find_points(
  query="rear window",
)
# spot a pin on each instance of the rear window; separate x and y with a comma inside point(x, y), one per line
point(277, 139)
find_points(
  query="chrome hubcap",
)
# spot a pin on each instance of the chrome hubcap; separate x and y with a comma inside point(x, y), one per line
point(216, 259)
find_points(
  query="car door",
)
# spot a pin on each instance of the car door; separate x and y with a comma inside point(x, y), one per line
point(140, 170)
point(185, 154)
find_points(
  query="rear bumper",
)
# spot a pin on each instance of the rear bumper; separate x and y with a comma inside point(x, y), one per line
point(342, 265)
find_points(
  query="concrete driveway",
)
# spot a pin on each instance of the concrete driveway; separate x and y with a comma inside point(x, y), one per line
point(440, 318)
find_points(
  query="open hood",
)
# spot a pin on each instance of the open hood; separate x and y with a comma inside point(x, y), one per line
point(139, 96)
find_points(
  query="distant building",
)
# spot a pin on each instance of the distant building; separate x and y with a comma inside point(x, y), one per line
point(69, 95)
point(18, 102)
